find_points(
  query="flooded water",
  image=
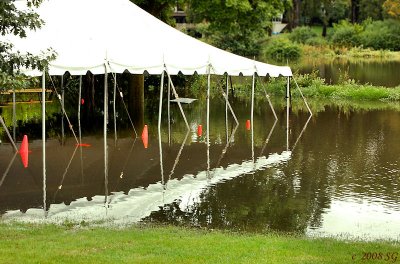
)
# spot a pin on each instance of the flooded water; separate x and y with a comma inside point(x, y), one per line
point(375, 72)
point(336, 174)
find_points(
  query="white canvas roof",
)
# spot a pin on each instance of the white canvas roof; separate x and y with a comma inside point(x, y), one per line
point(89, 34)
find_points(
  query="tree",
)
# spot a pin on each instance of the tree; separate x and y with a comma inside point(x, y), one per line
point(162, 9)
point(371, 9)
point(236, 25)
point(16, 22)
point(392, 8)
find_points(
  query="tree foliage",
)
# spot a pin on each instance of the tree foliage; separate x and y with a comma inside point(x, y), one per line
point(236, 25)
point(162, 9)
point(16, 22)
point(392, 8)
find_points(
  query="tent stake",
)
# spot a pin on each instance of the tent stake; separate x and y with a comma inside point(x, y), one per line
point(44, 140)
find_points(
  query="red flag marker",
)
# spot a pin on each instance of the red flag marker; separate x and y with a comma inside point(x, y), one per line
point(145, 137)
point(23, 151)
point(199, 130)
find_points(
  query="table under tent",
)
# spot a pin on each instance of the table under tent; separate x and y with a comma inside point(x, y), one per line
point(114, 36)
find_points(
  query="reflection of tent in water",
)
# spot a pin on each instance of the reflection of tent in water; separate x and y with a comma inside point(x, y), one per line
point(119, 36)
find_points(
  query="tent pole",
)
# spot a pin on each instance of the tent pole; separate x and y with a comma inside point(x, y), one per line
point(229, 105)
point(8, 134)
point(44, 140)
point(115, 118)
point(302, 96)
point(63, 107)
point(226, 108)
point(169, 113)
point(177, 97)
point(269, 100)
point(252, 114)
point(287, 112)
point(79, 110)
point(105, 134)
point(208, 122)
point(159, 127)
point(14, 116)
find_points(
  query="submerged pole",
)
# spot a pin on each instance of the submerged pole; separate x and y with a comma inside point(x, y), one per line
point(169, 113)
point(115, 118)
point(44, 140)
point(252, 115)
point(287, 112)
point(226, 108)
point(159, 127)
point(105, 135)
point(63, 107)
point(208, 122)
point(79, 110)
point(14, 116)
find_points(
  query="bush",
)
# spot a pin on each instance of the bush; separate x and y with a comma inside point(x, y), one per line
point(302, 35)
point(346, 34)
point(382, 35)
point(280, 49)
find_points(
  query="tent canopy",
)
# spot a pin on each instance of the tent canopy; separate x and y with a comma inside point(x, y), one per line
point(90, 35)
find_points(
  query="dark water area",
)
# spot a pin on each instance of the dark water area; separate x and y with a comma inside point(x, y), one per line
point(375, 72)
point(335, 174)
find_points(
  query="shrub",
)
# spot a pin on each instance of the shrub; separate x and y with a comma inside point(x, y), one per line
point(280, 49)
point(302, 35)
point(382, 35)
point(346, 34)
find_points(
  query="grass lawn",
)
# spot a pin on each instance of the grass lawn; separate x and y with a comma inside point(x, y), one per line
point(26, 243)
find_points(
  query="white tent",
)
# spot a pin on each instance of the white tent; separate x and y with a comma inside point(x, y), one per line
point(89, 34)
point(103, 36)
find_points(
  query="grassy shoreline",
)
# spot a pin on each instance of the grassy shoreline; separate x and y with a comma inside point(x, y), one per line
point(28, 243)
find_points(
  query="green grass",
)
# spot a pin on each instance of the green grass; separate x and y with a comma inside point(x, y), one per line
point(26, 243)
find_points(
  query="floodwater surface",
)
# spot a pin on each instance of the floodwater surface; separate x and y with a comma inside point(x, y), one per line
point(334, 174)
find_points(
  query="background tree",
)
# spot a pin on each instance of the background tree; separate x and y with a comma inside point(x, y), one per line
point(162, 9)
point(371, 9)
point(392, 8)
point(16, 22)
point(236, 25)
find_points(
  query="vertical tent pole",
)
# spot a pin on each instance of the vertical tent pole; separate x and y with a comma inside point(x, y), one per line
point(287, 112)
point(115, 118)
point(14, 116)
point(79, 109)
point(169, 113)
point(252, 114)
point(208, 121)
point(105, 134)
point(44, 139)
point(226, 108)
point(62, 110)
point(159, 127)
